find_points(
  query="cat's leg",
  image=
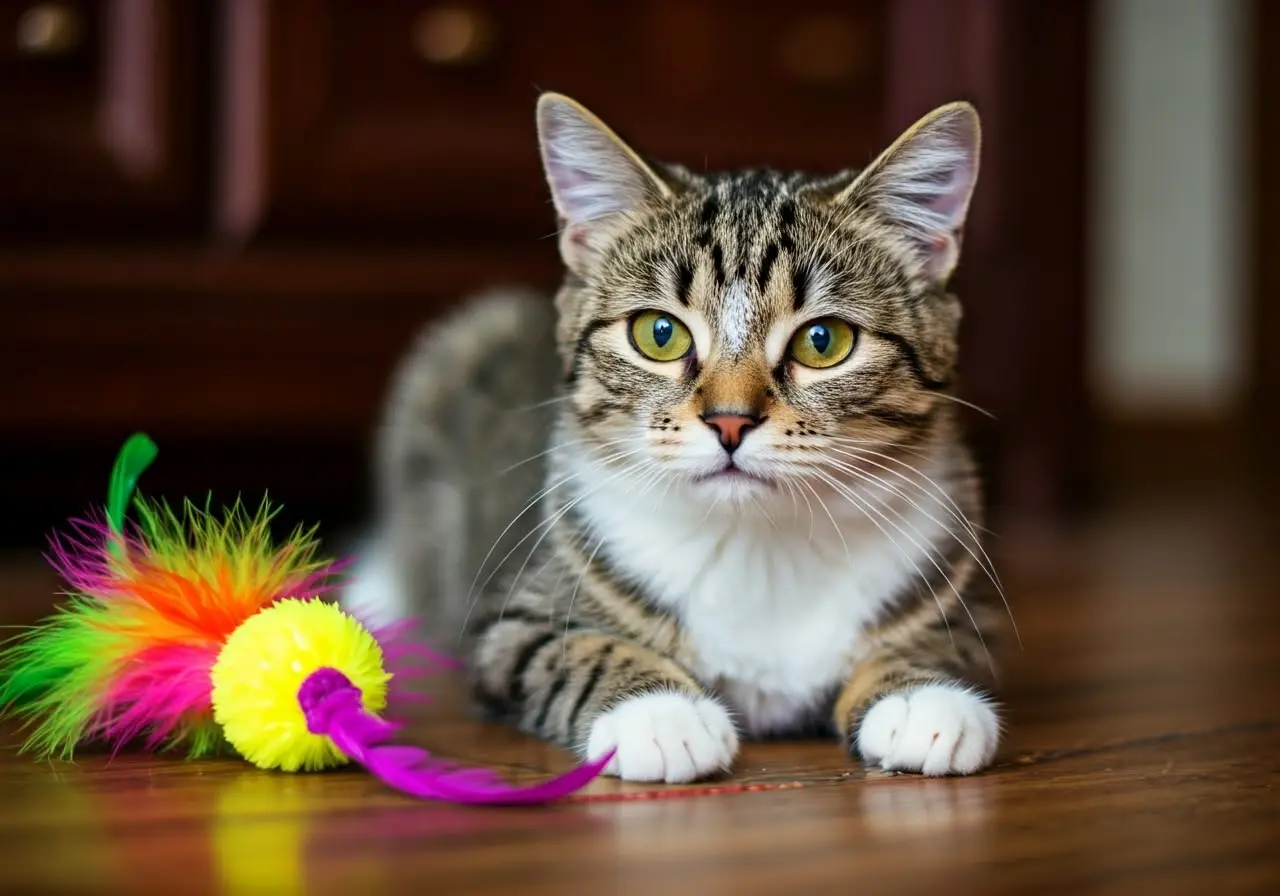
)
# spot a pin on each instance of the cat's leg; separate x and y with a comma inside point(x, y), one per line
point(592, 692)
point(920, 706)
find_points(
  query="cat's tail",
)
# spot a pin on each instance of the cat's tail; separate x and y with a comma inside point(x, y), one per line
point(468, 411)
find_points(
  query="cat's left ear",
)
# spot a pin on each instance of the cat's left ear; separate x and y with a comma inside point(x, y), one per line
point(596, 180)
point(923, 184)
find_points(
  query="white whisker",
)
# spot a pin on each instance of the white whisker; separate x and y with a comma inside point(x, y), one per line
point(920, 576)
point(573, 597)
point(867, 455)
point(540, 404)
point(548, 525)
point(554, 448)
point(813, 491)
point(968, 404)
point(471, 592)
point(984, 562)
point(957, 513)
point(858, 501)
point(878, 443)
point(760, 507)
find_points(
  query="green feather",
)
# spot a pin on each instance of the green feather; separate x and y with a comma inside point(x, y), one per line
point(132, 461)
point(53, 676)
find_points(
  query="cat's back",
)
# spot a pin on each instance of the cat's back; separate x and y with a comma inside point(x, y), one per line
point(469, 410)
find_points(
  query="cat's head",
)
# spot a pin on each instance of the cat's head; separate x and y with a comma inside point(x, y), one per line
point(742, 331)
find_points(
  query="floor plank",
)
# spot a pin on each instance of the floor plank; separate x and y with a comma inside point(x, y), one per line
point(1143, 753)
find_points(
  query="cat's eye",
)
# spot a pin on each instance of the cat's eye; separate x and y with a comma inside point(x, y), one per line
point(659, 336)
point(824, 342)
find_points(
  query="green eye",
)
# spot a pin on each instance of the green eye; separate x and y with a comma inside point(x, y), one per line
point(823, 343)
point(660, 337)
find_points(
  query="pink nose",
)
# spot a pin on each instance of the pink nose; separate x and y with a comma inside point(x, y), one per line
point(731, 428)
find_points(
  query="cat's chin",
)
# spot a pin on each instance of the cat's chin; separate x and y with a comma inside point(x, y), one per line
point(733, 485)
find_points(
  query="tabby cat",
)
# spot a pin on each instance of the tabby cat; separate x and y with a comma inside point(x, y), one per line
point(718, 489)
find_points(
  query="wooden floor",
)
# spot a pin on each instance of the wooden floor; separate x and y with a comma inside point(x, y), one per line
point(1143, 756)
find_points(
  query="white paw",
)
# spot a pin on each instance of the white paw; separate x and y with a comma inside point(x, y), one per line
point(665, 737)
point(938, 729)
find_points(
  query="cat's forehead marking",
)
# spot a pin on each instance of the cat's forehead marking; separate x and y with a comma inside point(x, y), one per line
point(736, 318)
point(743, 224)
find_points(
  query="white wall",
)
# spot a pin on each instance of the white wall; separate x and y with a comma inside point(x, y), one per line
point(1168, 279)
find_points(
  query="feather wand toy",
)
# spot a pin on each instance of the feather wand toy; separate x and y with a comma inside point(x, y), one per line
point(195, 632)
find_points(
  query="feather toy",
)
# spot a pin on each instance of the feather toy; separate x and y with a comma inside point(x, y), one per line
point(195, 632)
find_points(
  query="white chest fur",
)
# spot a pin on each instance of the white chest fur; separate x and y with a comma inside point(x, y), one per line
point(774, 608)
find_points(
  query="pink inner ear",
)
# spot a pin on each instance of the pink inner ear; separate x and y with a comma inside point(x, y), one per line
point(565, 176)
point(949, 202)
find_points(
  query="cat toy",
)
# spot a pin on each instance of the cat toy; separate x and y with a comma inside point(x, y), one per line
point(195, 632)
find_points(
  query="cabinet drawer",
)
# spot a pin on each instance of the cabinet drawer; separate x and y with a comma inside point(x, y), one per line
point(414, 118)
point(99, 117)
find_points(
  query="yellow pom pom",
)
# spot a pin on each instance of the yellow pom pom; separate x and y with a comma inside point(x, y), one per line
point(265, 661)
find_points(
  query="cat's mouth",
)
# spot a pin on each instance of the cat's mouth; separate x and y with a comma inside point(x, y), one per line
point(731, 472)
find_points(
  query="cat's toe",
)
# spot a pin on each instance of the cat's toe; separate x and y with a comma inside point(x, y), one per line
point(664, 736)
point(935, 730)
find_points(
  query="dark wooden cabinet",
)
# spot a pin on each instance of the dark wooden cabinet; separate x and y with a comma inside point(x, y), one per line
point(223, 220)
point(404, 120)
point(102, 116)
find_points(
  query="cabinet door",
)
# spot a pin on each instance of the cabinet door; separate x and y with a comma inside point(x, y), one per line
point(99, 115)
point(414, 118)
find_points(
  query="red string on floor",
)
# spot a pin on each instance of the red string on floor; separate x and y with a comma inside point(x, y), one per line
point(679, 792)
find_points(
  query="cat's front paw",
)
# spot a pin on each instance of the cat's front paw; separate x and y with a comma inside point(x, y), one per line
point(937, 729)
point(665, 736)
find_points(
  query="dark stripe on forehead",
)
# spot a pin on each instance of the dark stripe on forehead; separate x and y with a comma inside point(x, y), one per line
point(786, 223)
point(684, 280)
point(717, 263)
point(707, 219)
point(799, 284)
point(710, 208)
point(757, 184)
point(787, 213)
point(766, 265)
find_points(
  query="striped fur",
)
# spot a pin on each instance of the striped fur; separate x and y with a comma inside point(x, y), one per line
point(647, 598)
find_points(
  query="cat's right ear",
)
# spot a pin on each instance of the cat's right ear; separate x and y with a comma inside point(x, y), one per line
point(596, 180)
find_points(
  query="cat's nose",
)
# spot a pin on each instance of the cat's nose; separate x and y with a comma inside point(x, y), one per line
point(731, 428)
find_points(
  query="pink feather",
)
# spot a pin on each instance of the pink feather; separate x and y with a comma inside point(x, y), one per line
point(333, 707)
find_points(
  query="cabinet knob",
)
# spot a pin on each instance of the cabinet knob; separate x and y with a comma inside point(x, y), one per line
point(454, 36)
point(825, 50)
point(50, 31)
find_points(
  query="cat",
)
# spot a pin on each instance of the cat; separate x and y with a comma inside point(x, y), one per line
point(718, 488)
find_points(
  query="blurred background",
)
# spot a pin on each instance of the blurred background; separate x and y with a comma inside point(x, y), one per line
point(222, 221)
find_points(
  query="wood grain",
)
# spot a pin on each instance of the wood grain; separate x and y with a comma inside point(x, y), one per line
point(1142, 757)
